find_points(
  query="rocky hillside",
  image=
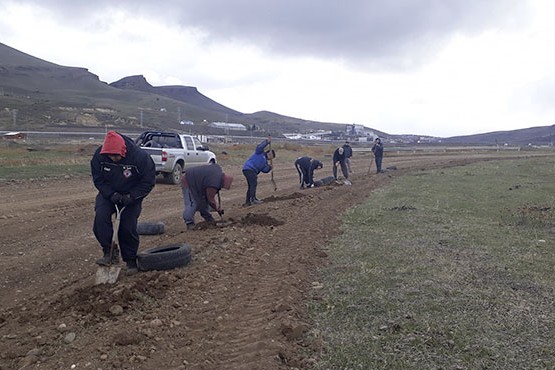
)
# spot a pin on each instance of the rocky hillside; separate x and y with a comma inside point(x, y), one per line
point(187, 94)
point(39, 95)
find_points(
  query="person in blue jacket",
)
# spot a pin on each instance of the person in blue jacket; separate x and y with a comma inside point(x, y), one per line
point(257, 162)
point(305, 167)
point(124, 175)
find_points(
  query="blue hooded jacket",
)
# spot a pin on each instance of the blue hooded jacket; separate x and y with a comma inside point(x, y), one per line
point(258, 162)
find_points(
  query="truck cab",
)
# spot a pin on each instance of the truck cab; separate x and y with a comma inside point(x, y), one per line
point(173, 153)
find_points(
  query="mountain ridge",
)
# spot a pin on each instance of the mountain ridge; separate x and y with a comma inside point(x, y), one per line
point(36, 94)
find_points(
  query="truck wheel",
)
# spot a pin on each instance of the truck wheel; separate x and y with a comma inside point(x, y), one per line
point(175, 176)
point(150, 228)
point(165, 257)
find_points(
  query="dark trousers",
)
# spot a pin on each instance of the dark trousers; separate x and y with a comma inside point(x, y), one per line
point(303, 175)
point(252, 182)
point(103, 227)
point(379, 163)
point(344, 170)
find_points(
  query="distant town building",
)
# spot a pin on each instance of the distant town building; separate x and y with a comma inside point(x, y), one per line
point(228, 126)
point(318, 135)
point(355, 130)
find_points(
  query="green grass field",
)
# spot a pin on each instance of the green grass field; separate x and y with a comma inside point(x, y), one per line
point(26, 161)
point(444, 269)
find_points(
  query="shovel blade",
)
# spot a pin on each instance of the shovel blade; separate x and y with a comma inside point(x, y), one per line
point(107, 275)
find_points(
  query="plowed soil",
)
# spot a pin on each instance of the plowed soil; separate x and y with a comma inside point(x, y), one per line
point(239, 304)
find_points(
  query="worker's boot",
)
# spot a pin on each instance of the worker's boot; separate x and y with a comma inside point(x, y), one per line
point(106, 260)
point(132, 267)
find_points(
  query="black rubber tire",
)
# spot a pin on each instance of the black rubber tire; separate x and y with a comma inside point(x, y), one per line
point(174, 177)
point(325, 181)
point(164, 258)
point(150, 228)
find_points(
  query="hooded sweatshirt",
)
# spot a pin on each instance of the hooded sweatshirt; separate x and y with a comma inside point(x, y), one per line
point(114, 144)
point(258, 162)
point(134, 174)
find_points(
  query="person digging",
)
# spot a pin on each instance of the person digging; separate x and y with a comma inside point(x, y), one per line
point(339, 160)
point(200, 185)
point(305, 167)
point(256, 163)
point(124, 175)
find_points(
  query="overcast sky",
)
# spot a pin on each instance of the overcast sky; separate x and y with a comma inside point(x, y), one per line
point(428, 67)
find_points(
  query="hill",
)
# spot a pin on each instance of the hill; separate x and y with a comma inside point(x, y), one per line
point(541, 135)
point(39, 95)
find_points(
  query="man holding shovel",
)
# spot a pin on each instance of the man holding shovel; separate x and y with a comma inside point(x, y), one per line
point(124, 175)
point(377, 149)
point(339, 160)
point(257, 162)
point(200, 185)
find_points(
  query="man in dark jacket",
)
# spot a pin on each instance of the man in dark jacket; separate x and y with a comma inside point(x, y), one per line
point(348, 150)
point(200, 185)
point(305, 167)
point(257, 162)
point(377, 149)
point(339, 160)
point(124, 175)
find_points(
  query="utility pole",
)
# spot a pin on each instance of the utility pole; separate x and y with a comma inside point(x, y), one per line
point(141, 116)
point(14, 116)
point(178, 114)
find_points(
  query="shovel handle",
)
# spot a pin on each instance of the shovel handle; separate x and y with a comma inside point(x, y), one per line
point(115, 238)
point(272, 165)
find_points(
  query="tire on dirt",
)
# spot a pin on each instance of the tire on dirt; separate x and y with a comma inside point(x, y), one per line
point(165, 257)
point(150, 228)
point(174, 177)
point(325, 181)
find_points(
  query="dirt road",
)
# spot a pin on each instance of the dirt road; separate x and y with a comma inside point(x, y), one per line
point(240, 304)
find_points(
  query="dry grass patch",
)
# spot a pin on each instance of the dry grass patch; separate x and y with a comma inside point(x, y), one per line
point(447, 269)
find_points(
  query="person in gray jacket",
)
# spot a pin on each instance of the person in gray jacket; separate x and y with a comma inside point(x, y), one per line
point(199, 186)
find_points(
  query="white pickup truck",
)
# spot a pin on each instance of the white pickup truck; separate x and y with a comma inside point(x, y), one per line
point(172, 153)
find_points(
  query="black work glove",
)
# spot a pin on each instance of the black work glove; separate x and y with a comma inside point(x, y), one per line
point(116, 198)
point(126, 200)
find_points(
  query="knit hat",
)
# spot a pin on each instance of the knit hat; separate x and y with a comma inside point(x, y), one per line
point(114, 144)
point(227, 181)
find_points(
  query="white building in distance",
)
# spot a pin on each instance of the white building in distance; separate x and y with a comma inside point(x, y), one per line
point(228, 126)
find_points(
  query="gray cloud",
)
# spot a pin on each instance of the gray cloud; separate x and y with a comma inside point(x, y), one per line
point(400, 32)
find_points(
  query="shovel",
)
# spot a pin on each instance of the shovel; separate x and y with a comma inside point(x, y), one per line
point(372, 158)
point(109, 274)
point(272, 165)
